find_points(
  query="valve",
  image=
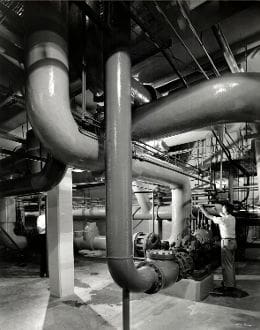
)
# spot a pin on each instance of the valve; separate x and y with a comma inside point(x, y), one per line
point(144, 242)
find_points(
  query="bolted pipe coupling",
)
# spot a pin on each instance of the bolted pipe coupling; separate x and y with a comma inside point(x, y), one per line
point(159, 283)
point(163, 263)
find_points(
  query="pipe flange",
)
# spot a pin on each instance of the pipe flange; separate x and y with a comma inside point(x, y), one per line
point(157, 285)
point(160, 254)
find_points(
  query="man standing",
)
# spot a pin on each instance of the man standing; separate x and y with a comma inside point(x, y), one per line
point(41, 227)
point(227, 226)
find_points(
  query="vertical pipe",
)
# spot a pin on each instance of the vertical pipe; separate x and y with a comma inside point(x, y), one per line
point(178, 224)
point(257, 158)
point(126, 309)
point(118, 159)
point(160, 228)
point(153, 210)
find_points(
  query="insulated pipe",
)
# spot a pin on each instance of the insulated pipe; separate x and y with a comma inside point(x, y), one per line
point(99, 213)
point(119, 178)
point(48, 100)
point(234, 98)
point(178, 219)
point(142, 197)
point(158, 171)
point(50, 176)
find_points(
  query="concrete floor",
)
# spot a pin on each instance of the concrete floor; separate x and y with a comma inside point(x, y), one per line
point(25, 302)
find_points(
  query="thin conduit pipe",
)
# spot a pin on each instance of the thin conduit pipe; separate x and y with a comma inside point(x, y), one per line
point(180, 39)
point(195, 33)
point(163, 51)
point(227, 52)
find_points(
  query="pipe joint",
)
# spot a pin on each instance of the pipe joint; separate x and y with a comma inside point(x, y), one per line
point(159, 283)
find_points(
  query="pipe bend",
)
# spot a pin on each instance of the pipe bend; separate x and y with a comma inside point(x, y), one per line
point(49, 177)
point(48, 100)
point(128, 276)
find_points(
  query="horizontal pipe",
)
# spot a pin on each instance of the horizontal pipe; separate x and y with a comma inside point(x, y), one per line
point(98, 243)
point(99, 213)
point(233, 97)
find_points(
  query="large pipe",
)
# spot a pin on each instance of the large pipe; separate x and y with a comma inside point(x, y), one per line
point(155, 170)
point(119, 178)
point(234, 98)
point(99, 213)
point(50, 176)
point(48, 88)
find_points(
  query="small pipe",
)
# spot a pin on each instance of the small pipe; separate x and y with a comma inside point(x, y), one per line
point(11, 137)
point(180, 39)
point(195, 33)
point(162, 50)
point(126, 309)
point(227, 52)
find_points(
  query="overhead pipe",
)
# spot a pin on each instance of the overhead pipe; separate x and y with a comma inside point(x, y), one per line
point(234, 98)
point(99, 213)
point(197, 37)
point(51, 174)
point(48, 100)
point(226, 50)
point(48, 89)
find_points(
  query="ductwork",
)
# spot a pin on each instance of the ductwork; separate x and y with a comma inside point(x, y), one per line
point(234, 98)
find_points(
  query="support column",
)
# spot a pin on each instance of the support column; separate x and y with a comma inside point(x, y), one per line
point(60, 238)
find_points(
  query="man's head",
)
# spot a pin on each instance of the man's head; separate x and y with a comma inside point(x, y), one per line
point(227, 208)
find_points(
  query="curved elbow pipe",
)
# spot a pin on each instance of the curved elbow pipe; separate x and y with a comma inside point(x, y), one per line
point(49, 177)
point(231, 98)
point(150, 168)
point(48, 100)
